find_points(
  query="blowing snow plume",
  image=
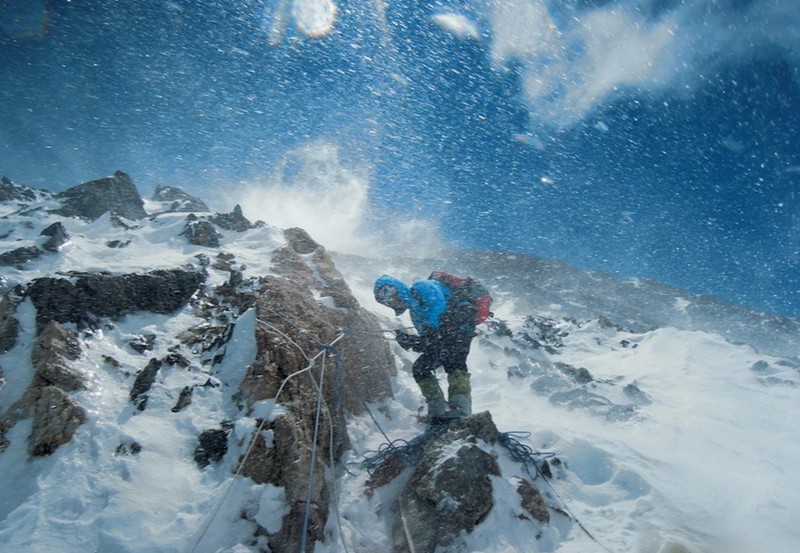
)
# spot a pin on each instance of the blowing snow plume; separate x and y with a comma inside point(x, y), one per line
point(313, 189)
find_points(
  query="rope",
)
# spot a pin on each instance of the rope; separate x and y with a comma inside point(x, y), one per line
point(313, 454)
point(307, 369)
point(525, 454)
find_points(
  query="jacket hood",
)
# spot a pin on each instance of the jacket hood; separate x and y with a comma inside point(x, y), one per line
point(403, 291)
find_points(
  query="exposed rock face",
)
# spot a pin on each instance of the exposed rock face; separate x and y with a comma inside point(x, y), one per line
point(11, 192)
point(296, 326)
point(18, 257)
point(55, 419)
point(55, 416)
point(201, 233)
point(144, 381)
point(91, 199)
point(57, 236)
point(53, 347)
point(450, 490)
point(179, 201)
point(235, 220)
point(9, 325)
point(102, 295)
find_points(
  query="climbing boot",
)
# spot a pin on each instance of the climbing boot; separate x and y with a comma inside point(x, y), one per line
point(459, 391)
point(462, 404)
point(434, 397)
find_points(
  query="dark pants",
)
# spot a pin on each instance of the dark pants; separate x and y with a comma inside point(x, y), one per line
point(449, 351)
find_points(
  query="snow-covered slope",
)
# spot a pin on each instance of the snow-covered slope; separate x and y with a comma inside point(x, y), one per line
point(670, 437)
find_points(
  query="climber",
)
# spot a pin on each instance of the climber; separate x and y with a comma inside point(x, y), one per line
point(444, 336)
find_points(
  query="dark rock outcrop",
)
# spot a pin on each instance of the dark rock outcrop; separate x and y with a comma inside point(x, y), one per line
point(178, 200)
point(450, 489)
point(9, 325)
point(212, 446)
point(55, 416)
point(442, 485)
point(55, 419)
point(18, 257)
point(201, 233)
point(235, 220)
point(57, 236)
point(11, 192)
point(104, 295)
point(54, 346)
point(92, 199)
point(144, 381)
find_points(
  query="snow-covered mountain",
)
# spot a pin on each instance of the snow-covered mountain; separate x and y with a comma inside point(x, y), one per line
point(665, 422)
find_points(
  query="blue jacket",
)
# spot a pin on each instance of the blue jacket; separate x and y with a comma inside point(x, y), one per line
point(426, 300)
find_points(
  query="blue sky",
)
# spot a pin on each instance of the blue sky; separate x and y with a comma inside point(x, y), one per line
point(643, 139)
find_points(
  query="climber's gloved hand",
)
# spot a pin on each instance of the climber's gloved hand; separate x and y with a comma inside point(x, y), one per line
point(406, 340)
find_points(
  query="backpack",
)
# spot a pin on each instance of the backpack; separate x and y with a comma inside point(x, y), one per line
point(466, 292)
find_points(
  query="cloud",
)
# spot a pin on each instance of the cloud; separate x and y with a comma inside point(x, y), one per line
point(574, 59)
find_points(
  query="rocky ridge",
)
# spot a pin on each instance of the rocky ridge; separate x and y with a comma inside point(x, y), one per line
point(300, 306)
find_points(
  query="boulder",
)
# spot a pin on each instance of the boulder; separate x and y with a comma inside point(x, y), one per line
point(57, 236)
point(92, 199)
point(450, 489)
point(441, 485)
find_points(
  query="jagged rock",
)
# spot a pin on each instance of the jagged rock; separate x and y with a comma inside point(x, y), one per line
point(300, 241)
point(57, 237)
point(142, 343)
point(18, 257)
point(184, 399)
point(91, 199)
point(224, 261)
point(181, 202)
point(235, 220)
point(144, 381)
point(579, 375)
point(111, 361)
point(55, 419)
point(440, 485)
point(175, 358)
point(9, 325)
point(306, 308)
point(55, 345)
point(104, 295)
point(366, 363)
point(201, 233)
point(212, 446)
point(55, 416)
point(450, 489)
point(532, 500)
point(11, 192)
